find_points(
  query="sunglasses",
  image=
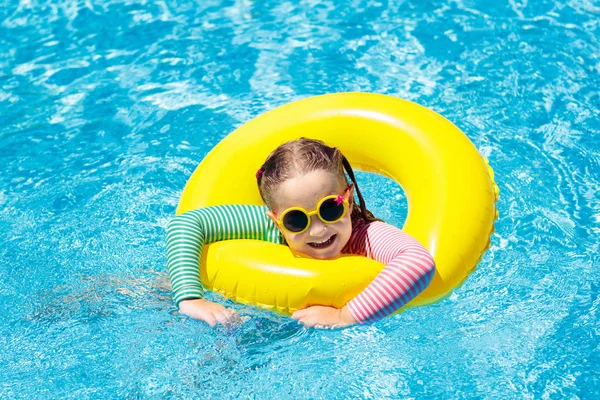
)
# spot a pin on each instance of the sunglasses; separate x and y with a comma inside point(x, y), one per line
point(330, 209)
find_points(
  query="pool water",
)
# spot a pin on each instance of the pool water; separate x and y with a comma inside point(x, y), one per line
point(106, 108)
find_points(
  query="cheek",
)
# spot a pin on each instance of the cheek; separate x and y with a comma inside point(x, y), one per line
point(345, 226)
point(293, 240)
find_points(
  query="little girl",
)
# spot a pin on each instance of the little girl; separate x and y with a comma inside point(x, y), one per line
point(310, 207)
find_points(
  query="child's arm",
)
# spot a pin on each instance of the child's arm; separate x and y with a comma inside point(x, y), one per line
point(189, 232)
point(408, 271)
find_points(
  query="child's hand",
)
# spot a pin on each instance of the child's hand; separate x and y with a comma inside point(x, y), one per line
point(324, 317)
point(207, 311)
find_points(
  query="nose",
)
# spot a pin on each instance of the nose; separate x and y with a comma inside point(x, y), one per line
point(317, 227)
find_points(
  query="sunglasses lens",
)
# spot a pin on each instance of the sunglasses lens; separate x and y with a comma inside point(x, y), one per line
point(331, 211)
point(295, 221)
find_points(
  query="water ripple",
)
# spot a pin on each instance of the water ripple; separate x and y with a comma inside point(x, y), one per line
point(108, 106)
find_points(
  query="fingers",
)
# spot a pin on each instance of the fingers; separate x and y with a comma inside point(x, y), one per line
point(223, 316)
point(219, 317)
point(298, 315)
point(308, 323)
point(305, 317)
point(310, 312)
point(318, 317)
point(209, 312)
point(211, 320)
point(228, 318)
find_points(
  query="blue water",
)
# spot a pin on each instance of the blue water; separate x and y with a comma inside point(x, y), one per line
point(106, 108)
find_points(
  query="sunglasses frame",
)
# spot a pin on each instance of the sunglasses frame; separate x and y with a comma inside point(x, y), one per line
point(309, 214)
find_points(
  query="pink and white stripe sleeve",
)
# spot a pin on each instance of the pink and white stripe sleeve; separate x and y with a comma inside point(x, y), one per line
point(408, 270)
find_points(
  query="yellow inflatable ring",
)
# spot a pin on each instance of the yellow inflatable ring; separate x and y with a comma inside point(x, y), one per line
point(449, 187)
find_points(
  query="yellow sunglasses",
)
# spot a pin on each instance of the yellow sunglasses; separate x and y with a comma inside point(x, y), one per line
point(330, 209)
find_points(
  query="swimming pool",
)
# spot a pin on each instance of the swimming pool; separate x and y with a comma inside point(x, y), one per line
point(108, 106)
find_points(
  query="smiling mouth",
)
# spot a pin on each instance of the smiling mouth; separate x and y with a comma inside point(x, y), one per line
point(324, 244)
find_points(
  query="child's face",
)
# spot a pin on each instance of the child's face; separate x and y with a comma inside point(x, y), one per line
point(321, 240)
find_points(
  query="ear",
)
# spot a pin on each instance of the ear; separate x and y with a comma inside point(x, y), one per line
point(273, 218)
point(350, 194)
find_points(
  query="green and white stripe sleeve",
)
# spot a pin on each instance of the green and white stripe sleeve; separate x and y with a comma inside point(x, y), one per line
point(189, 232)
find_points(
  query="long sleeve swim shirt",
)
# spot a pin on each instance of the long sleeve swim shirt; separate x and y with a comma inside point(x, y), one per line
point(408, 270)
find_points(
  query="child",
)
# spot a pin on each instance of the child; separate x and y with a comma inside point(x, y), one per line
point(310, 207)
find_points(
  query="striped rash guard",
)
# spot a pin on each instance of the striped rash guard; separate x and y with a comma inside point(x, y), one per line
point(408, 270)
